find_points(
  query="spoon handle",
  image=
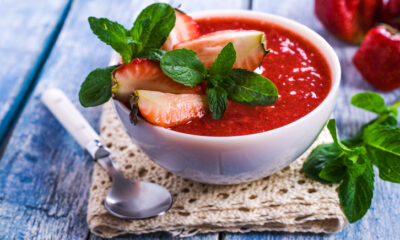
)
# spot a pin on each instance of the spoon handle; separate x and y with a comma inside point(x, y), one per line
point(72, 120)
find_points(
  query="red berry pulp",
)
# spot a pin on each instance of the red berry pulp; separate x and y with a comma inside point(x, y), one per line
point(294, 65)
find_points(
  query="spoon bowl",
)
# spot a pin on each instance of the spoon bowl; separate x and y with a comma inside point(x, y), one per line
point(137, 199)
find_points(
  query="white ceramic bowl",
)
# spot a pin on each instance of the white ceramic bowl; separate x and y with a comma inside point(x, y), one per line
point(230, 160)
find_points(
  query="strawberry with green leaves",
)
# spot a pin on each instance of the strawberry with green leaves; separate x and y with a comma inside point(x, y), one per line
point(165, 86)
point(223, 82)
point(143, 40)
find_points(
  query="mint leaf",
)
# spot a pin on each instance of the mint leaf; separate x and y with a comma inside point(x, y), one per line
point(318, 159)
point(332, 129)
point(354, 152)
point(96, 89)
point(334, 170)
point(322, 155)
point(219, 80)
point(393, 110)
point(251, 88)
point(139, 33)
point(151, 53)
point(217, 101)
point(387, 163)
point(223, 64)
point(183, 66)
point(383, 146)
point(370, 101)
point(355, 194)
point(153, 25)
point(113, 34)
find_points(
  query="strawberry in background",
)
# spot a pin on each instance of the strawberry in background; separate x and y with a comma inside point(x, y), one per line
point(378, 58)
point(347, 19)
point(391, 13)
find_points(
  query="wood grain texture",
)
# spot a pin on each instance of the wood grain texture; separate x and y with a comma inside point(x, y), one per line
point(44, 174)
point(381, 222)
point(28, 30)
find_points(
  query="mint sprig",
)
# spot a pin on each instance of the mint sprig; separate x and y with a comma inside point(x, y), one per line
point(149, 32)
point(349, 162)
point(223, 82)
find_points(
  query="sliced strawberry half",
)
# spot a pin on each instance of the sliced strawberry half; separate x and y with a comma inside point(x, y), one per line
point(249, 45)
point(167, 109)
point(144, 74)
point(185, 29)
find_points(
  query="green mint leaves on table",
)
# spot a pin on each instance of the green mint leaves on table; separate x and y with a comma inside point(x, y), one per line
point(223, 82)
point(349, 162)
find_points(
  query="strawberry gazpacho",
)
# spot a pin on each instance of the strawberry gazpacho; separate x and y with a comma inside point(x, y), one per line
point(214, 76)
point(294, 65)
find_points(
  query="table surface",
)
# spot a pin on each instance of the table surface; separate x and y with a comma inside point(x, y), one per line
point(44, 174)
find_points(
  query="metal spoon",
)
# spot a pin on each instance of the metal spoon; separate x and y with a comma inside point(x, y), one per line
point(126, 199)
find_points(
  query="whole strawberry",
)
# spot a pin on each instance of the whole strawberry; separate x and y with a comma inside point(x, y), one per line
point(391, 13)
point(347, 19)
point(378, 58)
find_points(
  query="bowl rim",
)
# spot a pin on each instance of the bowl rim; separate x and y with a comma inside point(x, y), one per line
point(326, 50)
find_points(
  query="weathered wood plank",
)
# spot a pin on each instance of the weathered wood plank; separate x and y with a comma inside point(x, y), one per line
point(28, 30)
point(380, 221)
point(44, 175)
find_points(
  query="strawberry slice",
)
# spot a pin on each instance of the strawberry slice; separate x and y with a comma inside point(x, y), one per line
point(185, 29)
point(144, 74)
point(249, 45)
point(167, 109)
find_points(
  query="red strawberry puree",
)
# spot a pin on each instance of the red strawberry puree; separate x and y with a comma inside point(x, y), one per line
point(294, 65)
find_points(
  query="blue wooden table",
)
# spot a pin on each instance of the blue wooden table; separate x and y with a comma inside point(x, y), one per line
point(45, 175)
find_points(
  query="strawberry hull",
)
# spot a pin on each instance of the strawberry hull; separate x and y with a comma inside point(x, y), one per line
point(378, 58)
